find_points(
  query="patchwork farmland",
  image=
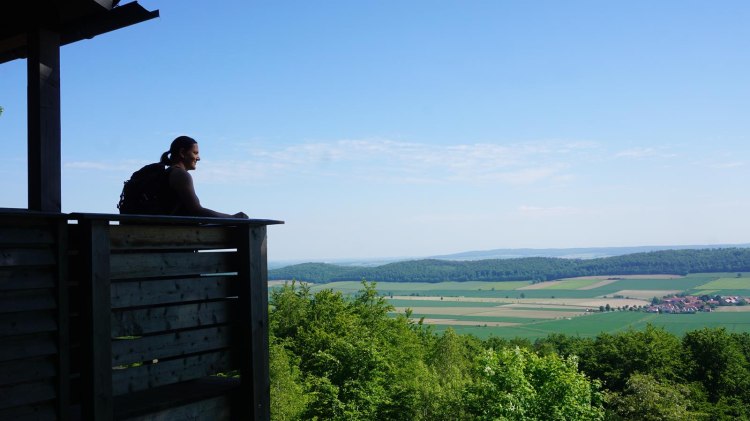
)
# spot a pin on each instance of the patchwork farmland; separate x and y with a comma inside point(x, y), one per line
point(570, 306)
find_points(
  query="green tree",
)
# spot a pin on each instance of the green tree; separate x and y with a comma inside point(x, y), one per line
point(288, 398)
point(450, 362)
point(354, 360)
point(647, 399)
point(517, 384)
point(716, 359)
point(614, 358)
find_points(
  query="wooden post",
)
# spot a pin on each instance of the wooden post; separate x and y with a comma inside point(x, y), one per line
point(96, 344)
point(253, 319)
point(43, 73)
point(63, 322)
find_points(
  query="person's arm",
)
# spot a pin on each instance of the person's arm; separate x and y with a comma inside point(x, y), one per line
point(182, 183)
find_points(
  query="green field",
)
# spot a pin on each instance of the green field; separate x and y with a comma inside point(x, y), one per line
point(472, 307)
point(727, 283)
point(596, 323)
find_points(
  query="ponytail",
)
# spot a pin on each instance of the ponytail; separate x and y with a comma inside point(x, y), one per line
point(181, 142)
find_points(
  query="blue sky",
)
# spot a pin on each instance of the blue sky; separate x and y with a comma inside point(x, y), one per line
point(413, 128)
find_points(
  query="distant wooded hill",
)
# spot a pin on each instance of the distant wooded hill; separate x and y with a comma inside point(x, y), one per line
point(677, 262)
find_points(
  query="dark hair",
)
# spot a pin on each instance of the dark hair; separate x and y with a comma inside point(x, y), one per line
point(181, 142)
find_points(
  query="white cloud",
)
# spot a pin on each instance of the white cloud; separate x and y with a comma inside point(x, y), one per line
point(548, 210)
point(131, 166)
point(387, 160)
point(645, 152)
point(727, 165)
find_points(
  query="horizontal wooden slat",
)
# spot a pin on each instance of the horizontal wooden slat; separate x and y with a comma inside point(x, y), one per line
point(214, 409)
point(27, 322)
point(26, 236)
point(26, 393)
point(200, 399)
point(165, 291)
point(28, 346)
point(44, 411)
point(152, 265)
point(12, 278)
point(161, 319)
point(167, 372)
point(26, 256)
point(135, 237)
point(35, 299)
point(27, 370)
point(173, 344)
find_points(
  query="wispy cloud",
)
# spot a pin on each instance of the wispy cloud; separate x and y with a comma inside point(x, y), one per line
point(109, 166)
point(548, 210)
point(727, 165)
point(645, 152)
point(388, 160)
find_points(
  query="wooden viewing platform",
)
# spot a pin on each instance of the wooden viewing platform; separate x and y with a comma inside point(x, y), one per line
point(109, 317)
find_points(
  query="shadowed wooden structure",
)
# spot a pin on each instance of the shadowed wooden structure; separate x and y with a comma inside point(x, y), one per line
point(112, 317)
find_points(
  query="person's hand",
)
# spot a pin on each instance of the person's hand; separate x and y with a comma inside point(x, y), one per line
point(240, 215)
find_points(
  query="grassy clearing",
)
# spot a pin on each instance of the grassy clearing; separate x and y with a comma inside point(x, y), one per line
point(727, 283)
point(742, 292)
point(659, 284)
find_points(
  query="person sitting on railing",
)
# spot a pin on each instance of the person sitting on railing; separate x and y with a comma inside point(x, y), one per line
point(183, 156)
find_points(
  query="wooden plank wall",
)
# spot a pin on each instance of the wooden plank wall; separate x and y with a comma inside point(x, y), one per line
point(173, 292)
point(33, 319)
point(133, 321)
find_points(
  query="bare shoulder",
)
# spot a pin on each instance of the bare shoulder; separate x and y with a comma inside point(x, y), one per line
point(178, 175)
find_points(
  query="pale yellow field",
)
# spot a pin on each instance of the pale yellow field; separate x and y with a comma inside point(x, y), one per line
point(592, 303)
point(733, 309)
point(464, 322)
point(501, 311)
point(542, 285)
point(463, 299)
point(277, 283)
point(647, 293)
point(599, 284)
point(537, 305)
point(613, 302)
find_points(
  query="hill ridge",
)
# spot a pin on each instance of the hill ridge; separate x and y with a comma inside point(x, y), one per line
point(678, 262)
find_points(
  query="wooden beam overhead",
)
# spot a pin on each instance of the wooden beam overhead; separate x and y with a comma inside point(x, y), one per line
point(74, 20)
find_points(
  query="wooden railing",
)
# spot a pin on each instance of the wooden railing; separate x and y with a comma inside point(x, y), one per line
point(108, 317)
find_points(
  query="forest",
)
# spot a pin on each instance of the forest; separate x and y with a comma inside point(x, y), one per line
point(337, 357)
point(677, 262)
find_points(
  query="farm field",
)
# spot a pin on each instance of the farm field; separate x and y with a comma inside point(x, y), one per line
point(593, 324)
point(568, 306)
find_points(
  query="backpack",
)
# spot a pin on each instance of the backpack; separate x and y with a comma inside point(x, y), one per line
point(145, 192)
